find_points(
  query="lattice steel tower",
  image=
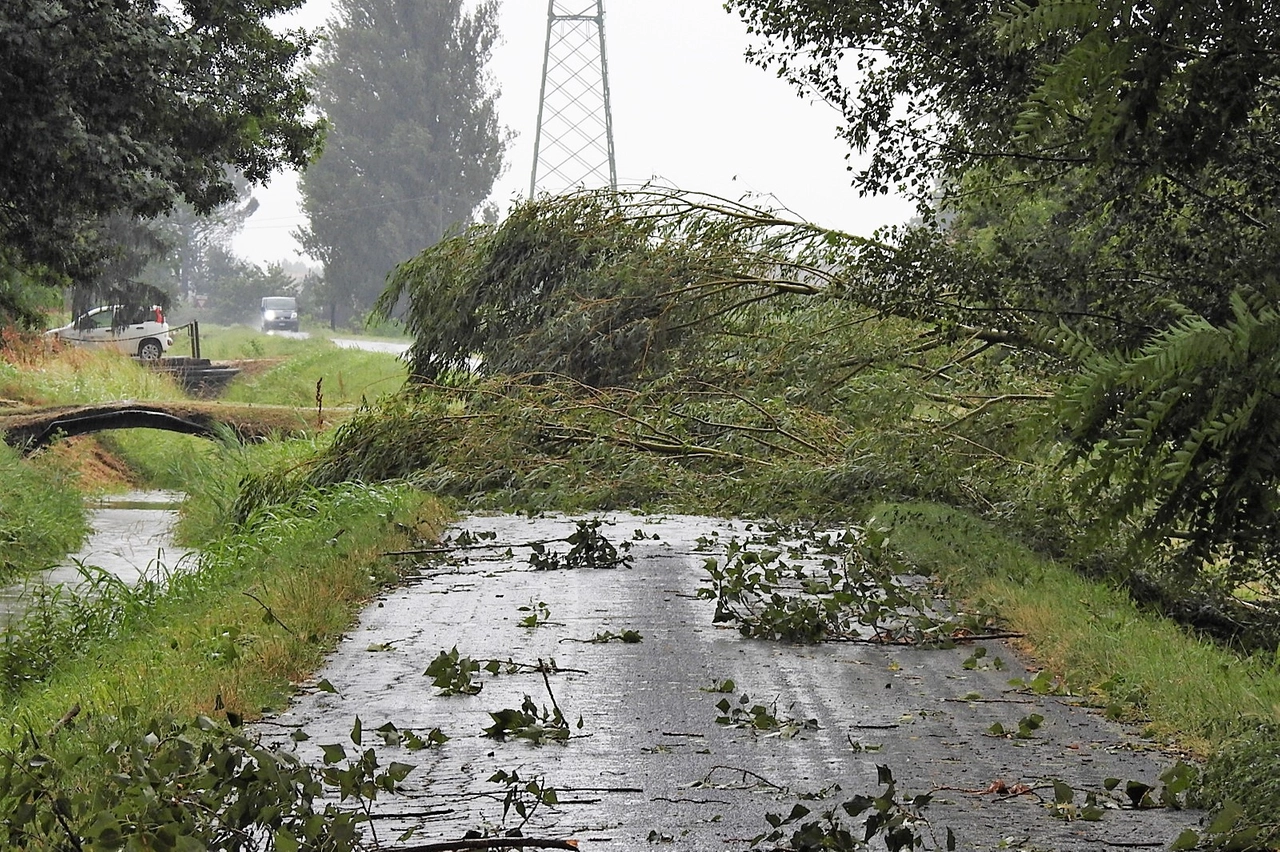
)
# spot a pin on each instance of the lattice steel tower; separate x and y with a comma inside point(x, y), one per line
point(574, 143)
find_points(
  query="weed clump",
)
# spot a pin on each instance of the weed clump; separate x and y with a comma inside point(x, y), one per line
point(1243, 778)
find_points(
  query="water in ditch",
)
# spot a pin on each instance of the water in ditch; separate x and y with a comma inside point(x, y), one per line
point(132, 537)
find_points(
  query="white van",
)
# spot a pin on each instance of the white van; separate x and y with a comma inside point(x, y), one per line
point(280, 313)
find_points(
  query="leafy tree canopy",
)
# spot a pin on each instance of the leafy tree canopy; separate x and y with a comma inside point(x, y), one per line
point(1131, 145)
point(604, 288)
point(125, 107)
point(1108, 174)
point(415, 144)
point(937, 89)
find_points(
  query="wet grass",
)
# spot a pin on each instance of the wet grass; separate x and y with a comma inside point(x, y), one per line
point(41, 513)
point(345, 377)
point(267, 600)
point(292, 367)
point(213, 481)
point(66, 375)
point(1186, 692)
point(226, 642)
point(236, 342)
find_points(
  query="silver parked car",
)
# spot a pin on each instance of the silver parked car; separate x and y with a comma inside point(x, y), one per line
point(142, 333)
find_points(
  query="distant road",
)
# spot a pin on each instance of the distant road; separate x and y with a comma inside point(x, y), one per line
point(388, 347)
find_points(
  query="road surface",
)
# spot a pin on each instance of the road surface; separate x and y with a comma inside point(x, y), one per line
point(650, 765)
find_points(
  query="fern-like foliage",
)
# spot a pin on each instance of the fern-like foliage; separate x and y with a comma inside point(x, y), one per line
point(1176, 446)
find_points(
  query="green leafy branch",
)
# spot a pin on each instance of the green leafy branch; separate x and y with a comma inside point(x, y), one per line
point(189, 786)
point(842, 598)
point(455, 674)
point(590, 549)
point(537, 725)
point(758, 717)
point(896, 822)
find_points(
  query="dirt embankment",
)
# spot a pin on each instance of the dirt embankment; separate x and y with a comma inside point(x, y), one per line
point(98, 470)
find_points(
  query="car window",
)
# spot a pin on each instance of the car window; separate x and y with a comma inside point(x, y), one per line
point(102, 319)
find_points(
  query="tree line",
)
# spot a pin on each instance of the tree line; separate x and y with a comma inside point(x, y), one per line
point(135, 133)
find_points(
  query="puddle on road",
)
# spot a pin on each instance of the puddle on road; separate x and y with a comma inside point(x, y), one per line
point(650, 760)
point(132, 537)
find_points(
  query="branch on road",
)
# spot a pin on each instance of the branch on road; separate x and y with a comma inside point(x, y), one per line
point(487, 843)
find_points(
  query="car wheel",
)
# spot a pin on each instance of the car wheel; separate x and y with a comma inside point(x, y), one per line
point(150, 350)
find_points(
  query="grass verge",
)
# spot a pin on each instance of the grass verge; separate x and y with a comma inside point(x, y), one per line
point(264, 603)
point(42, 516)
point(1189, 693)
point(341, 377)
point(346, 376)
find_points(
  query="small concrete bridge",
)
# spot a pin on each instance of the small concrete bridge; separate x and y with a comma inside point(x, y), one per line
point(30, 429)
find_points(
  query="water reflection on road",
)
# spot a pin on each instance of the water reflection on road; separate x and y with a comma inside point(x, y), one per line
point(132, 537)
point(659, 758)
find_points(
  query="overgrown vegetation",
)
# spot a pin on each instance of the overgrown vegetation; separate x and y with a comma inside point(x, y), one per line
point(182, 785)
point(31, 371)
point(226, 638)
point(41, 516)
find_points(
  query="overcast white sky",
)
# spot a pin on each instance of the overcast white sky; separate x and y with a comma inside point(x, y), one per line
point(688, 111)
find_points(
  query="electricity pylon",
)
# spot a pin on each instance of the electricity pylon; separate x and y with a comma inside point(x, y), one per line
point(574, 142)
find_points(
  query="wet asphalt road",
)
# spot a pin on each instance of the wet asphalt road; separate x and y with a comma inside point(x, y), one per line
point(650, 765)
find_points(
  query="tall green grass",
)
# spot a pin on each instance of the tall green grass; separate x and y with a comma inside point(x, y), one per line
point(42, 516)
point(1188, 692)
point(82, 376)
point(345, 377)
point(214, 482)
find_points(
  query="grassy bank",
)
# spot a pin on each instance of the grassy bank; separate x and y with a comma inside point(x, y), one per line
point(225, 642)
point(341, 377)
point(264, 603)
point(1185, 692)
point(38, 373)
point(41, 513)
point(292, 367)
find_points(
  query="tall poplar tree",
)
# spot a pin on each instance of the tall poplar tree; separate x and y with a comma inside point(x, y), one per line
point(414, 143)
